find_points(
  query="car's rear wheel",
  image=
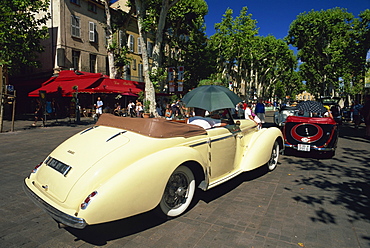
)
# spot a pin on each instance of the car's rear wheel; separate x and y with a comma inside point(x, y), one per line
point(178, 193)
point(272, 163)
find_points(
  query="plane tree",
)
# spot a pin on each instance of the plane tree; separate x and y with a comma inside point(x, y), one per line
point(186, 43)
point(271, 61)
point(332, 47)
point(231, 41)
point(254, 63)
point(21, 30)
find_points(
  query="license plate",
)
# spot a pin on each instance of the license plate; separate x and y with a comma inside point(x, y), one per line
point(58, 166)
point(303, 147)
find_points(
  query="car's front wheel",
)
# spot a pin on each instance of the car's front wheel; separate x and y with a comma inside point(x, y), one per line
point(178, 193)
point(272, 163)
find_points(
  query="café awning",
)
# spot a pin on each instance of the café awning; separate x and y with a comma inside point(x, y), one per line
point(86, 82)
point(120, 86)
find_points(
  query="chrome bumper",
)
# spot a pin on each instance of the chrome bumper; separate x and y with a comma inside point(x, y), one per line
point(322, 149)
point(56, 214)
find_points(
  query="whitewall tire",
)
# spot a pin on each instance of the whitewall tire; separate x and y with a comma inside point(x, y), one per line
point(272, 163)
point(178, 193)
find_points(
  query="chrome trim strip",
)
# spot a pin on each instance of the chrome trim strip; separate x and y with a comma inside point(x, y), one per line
point(86, 130)
point(212, 140)
point(116, 135)
point(56, 214)
point(199, 144)
point(328, 149)
point(222, 138)
point(224, 179)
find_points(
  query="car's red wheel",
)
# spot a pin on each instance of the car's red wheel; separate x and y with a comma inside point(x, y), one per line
point(178, 193)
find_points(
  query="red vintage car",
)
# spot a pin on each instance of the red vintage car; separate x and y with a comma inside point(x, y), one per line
point(311, 134)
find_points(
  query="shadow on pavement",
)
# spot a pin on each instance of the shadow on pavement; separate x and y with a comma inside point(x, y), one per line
point(102, 233)
point(338, 182)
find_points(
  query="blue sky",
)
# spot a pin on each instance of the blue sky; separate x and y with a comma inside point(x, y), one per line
point(274, 16)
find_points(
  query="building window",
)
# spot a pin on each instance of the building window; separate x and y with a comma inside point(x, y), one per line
point(133, 64)
point(131, 43)
point(92, 32)
point(91, 7)
point(75, 2)
point(150, 49)
point(127, 72)
point(138, 46)
point(92, 63)
point(76, 59)
point(75, 26)
point(141, 74)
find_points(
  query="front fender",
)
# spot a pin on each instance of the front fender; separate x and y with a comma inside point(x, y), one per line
point(260, 146)
point(139, 187)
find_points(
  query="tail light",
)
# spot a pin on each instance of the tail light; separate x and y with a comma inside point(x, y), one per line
point(88, 199)
point(36, 167)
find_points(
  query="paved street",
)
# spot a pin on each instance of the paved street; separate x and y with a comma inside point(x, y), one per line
point(305, 202)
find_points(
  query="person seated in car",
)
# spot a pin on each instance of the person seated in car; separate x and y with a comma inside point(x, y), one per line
point(328, 112)
point(202, 121)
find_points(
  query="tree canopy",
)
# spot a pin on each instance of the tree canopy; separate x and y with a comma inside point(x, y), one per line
point(332, 47)
point(21, 32)
point(254, 63)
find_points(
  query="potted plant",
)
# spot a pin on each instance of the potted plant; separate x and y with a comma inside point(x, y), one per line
point(146, 109)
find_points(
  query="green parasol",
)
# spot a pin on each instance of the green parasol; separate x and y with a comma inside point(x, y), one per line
point(211, 97)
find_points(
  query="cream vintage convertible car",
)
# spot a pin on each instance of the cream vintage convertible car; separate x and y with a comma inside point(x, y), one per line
point(122, 166)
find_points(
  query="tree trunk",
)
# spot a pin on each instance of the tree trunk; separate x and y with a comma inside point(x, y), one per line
point(110, 49)
point(149, 88)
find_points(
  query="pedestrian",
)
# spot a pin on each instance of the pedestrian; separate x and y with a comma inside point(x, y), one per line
point(158, 109)
point(39, 113)
point(356, 112)
point(260, 110)
point(245, 105)
point(240, 110)
point(168, 112)
point(252, 116)
point(139, 109)
point(99, 107)
point(131, 108)
point(118, 111)
point(365, 111)
point(175, 109)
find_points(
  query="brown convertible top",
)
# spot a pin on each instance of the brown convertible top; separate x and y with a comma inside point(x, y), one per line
point(153, 127)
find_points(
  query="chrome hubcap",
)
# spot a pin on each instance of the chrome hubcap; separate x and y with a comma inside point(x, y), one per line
point(176, 190)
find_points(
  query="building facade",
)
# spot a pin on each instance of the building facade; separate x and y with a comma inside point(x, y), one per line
point(78, 41)
point(77, 37)
point(129, 36)
point(305, 96)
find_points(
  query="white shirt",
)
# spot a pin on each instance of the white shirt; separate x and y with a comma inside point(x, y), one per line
point(204, 122)
point(248, 112)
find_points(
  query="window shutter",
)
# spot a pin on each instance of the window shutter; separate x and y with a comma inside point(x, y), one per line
point(131, 43)
point(138, 46)
point(92, 32)
point(141, 74)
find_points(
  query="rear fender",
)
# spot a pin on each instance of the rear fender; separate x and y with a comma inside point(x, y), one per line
point(139, 187)
point(260, 146)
